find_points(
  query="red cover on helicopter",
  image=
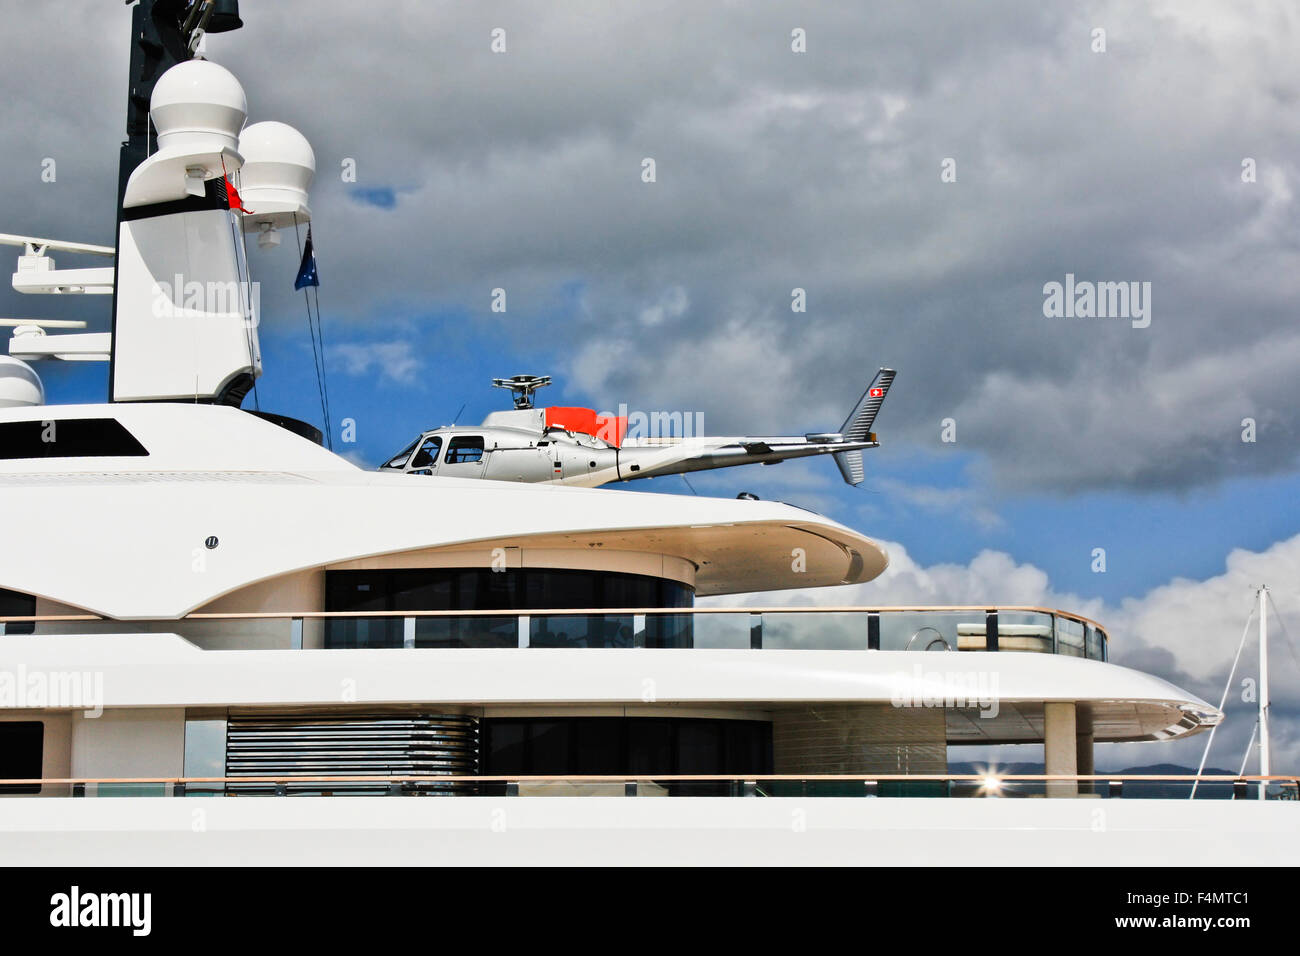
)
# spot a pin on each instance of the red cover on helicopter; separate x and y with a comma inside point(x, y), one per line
point(609, 428)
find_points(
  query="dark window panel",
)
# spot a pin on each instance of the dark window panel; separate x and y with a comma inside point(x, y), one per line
point(651, 746)
point(438, 589)
point(21, 746)
point(68, 438)
point(633, 746)
point(17, 604)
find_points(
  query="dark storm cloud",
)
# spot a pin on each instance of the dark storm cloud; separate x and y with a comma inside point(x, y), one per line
point(778, 170)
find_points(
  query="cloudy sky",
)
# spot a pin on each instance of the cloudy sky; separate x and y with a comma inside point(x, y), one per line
point(1169, 157)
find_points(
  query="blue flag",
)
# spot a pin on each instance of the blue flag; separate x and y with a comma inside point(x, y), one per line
point(307, 271)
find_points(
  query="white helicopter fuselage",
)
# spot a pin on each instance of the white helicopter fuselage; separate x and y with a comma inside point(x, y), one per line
point(578, 447)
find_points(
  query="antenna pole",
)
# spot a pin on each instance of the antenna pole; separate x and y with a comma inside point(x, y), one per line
point(1264, 756)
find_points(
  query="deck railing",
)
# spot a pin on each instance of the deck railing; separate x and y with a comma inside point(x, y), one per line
point(982, 785)
point(1024, 628)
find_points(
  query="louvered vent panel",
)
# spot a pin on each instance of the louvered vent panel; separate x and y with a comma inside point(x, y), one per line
point(303, 745)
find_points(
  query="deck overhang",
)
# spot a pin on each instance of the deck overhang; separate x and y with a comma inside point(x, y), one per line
point(987, 697)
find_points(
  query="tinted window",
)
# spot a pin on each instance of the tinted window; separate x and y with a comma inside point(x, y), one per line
point(68, 438)
point(618, 745)
point(464, 449)
point(14, 604)
point(21, 742)
point(481, 589)
point(428, 453)
point(1069, 637)
point(360, 591)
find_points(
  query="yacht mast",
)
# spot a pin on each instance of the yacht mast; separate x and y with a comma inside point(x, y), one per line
point(163, 34)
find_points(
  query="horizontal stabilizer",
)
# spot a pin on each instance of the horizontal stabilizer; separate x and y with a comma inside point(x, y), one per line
point(851, 466)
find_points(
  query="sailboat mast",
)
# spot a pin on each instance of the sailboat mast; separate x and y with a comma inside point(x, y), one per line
point(1264, 756)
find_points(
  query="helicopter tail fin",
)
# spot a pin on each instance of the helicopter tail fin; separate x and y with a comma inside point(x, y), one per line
point(857, 427)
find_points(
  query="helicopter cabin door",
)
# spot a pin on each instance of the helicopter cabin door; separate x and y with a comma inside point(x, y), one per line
point(426, 459)
point(463, 457)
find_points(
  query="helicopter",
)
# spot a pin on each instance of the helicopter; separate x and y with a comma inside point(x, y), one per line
point(582, 447)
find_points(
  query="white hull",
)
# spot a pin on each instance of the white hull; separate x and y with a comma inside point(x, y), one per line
point(518, 831)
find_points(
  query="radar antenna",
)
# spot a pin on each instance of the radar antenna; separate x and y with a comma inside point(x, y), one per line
point(522, 387)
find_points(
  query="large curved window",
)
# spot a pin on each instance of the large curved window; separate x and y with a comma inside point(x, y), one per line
point(512, 589)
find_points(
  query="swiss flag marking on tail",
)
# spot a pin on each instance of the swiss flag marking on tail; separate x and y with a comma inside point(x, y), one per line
point(877, 393)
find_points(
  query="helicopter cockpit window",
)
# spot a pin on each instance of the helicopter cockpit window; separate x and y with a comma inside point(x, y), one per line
point(467, 448)
point(428, 453)
point(398, 460)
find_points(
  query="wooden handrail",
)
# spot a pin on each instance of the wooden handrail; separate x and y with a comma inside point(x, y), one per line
point(696, 778)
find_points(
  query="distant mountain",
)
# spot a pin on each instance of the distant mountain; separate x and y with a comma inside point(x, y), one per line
point(1169, 789)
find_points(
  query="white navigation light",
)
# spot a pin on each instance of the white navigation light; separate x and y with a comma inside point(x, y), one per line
point(20, 386)
point(279, 166)
point(198, 106)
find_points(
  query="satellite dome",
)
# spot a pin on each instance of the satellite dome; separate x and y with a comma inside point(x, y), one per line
point(279, 166)
point(20, 386)
point(272, 142)
point(198, 104)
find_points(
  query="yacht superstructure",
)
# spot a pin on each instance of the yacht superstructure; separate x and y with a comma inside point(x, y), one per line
point(201, 602)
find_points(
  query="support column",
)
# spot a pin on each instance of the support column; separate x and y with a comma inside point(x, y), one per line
point(1060, 746)
point(1083, 741)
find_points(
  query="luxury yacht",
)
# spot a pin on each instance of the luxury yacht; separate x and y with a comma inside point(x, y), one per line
point(266, 653)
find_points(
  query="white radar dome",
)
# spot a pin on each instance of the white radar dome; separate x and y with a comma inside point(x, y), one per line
point(198, 105)
point(279, 166)
point(20, 386)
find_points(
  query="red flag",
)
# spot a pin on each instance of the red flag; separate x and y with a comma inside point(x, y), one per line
point(877, 393)
point(232, 194)
point(232, 197)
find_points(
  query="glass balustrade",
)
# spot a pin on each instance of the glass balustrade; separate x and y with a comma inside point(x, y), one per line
point(939, 629)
